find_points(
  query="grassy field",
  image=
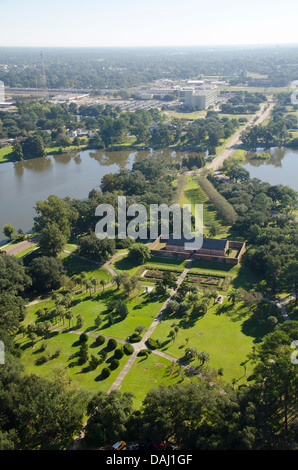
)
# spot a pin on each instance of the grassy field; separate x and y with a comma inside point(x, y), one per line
point(75, 265)
point(67, 361)
point(142, 310)
point(150, 372)
point(6, 154)
point(188, 116)
point(193, 194)
point(227, 333)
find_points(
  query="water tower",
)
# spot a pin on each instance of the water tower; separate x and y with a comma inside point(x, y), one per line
point(2, 92)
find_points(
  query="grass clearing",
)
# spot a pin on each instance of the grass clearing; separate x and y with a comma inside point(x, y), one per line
point(6, 154)
point(219, 332)
point(148, 373)
point(67, 361)
point(194, 194)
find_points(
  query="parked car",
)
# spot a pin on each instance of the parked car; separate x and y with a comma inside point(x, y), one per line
point(160, 446)
point(118, 445)
point(132, 446)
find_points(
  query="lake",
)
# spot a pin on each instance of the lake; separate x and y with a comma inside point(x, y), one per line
point(74, 174)
point(281, 168)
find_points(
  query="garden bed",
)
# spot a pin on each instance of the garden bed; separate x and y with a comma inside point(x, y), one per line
point(206, 279)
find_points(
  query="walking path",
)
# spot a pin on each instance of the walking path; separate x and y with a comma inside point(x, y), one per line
point(142, 344)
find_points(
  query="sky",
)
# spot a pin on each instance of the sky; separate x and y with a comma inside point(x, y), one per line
point(104, 23)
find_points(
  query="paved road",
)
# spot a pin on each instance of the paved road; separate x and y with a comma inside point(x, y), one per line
point(14, 250)
point(235, 140)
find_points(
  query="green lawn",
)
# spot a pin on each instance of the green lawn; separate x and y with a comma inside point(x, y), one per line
point(6, 154)
point(220, 333)
point(67, 361)
point(123, 263)
point(75, 265)
point(193, 194)
point(148, 373)
point(143, 308)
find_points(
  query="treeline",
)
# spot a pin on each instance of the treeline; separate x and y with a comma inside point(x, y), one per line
point(209, 132)
point(243, 103)
point(38, 124)
point(277, 131)
point(105, 68)
point(225, 209)
point(266, 220)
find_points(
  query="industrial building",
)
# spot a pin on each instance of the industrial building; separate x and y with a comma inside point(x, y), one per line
point(200, 99)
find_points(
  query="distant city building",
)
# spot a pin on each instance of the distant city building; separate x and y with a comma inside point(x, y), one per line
point(200, 99)
point(2, 93)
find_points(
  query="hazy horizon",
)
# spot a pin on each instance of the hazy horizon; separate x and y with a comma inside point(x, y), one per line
point(160, 23)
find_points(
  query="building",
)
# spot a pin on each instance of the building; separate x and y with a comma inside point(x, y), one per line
point(212, 249)
point(200, 99)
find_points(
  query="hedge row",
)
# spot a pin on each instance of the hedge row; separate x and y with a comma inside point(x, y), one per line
point(225, 209)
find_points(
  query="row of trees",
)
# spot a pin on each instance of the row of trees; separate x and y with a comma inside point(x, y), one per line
point(225, 209)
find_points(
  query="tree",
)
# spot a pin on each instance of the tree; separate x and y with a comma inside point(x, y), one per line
point(98, 321)
point(83, 353)
point(49, 427)
point(99, 250)
point(103, 282)
point(250, 298)
point(234, 296)
point(109, 417)
point(46, 273)
point(139, 253)
point(33, 147)
point(204, 357)
point(17, 150)
point(117, 279)
point(9, 231)
point(289, 277)
point(51, 241)
point(54, 211)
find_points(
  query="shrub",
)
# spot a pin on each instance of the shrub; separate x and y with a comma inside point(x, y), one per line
point(112, 343)
point(105, 372)
point(128, 349)
point(118, 353)
point(135, 338)
point(99, 340)
point(83, 338)
point(152, 343)
point(114, 364)
point(144, 352)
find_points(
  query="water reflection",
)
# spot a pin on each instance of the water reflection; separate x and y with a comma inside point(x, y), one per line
point(106, 158)
point(276, 156)
point(280, 168)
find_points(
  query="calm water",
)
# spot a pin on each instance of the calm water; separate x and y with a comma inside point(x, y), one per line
point(74, 175)
point(281, 168)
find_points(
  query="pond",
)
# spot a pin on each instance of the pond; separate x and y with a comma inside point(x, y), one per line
point(74, 174)
point(280, 168)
